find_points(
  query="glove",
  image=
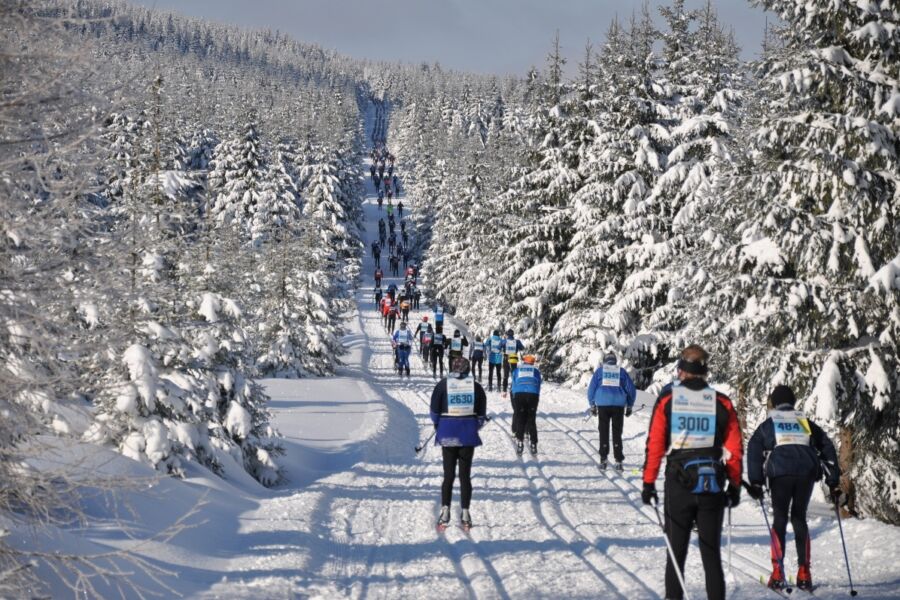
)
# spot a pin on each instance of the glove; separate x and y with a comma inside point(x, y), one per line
point(648, 494)
point(734, 495)
point(628, 411)
point(595, 411)
point(756, 491)
point(837, 496)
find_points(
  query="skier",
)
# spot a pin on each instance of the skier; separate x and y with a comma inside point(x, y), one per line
point(392, 242)
point(380, 201)
point(417, 295)
point(381, 169)
point(381, 238)
point(476, 357)
point(392, 291)
point(456, 347)
point(400, 209)
point(697, 429)
point(458, 409)
point(790, 450)
point(381, 225)
point(403, 234)
point(378, 295)
point(526, 392)
point(425, 343)
point(495, 358)
point(405, 256)
point(390, 206)
point(376, 252)
point(438, 318)
point(404, 307)
point(396, 181)
point(402, 342)
point(378, 276)
point(372, 172)
point(511, 349)
point(611, 395)
point(402, 226)
point(395, 266)
point(393, 311)
point(436, 349)
point(385, 309)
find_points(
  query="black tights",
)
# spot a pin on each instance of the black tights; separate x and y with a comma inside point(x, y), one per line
point(462, 455)
point(790, 497)
point(525, 416)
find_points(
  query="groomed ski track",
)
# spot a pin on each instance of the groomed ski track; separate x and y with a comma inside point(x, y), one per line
point(548, 526)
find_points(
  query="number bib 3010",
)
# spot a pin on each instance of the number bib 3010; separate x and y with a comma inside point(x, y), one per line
point(460, 397)
point(791, 427)
point(693, 423)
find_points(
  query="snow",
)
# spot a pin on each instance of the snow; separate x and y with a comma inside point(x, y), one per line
point(824, 396)
point(763, 252)
point(142, 372)
point(209, 307)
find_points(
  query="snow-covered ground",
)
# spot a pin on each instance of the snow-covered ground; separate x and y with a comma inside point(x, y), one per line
point(356, 518)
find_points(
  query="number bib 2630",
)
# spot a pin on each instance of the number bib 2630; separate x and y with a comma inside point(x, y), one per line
point(791, 427)
point(693, 418)
point(460, 397)
point(611, 375)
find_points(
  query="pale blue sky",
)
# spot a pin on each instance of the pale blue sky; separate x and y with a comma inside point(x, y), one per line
point(486, 36)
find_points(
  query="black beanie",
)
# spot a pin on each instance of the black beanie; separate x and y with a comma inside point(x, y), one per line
point(782, 394)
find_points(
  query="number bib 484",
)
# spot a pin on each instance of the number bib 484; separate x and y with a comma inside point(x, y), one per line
point(610, 376)
point(460, 397)
point(791, 427)
point(693, 422)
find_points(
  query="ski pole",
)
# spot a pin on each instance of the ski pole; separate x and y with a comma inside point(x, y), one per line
point(774, 544)
point(425, 443)
point(671, 552)
point(730, 571)
point(837, 511)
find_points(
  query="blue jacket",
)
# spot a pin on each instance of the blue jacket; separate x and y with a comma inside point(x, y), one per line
point(604, 395)
point(456, 431)
point(765, 459)
point(526, 385)
point(494, 358)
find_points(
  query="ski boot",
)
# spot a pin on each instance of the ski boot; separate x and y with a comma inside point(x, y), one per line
point(777, 580)
point(804, 578)
point(444, 518)
point(407, 373)
point(520, 448)
point(533, 448)
point(465, 520)
point(619, 467)
point(603, 464)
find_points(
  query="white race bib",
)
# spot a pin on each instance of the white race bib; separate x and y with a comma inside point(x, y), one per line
point(791, 427)
point(456, 344)
point(511, 347)
point(611, 375)
point(525, 372)
point(479, 346)
point(693, 423)
point(496, 345)
point(460, 397)
point(404, 337)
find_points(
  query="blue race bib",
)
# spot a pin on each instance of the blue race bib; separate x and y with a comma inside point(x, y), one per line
point(693, 423)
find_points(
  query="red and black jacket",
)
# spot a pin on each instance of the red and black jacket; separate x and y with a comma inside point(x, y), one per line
point(728, 441)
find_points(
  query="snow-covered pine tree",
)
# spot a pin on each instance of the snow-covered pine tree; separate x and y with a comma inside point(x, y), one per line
point(809, 290)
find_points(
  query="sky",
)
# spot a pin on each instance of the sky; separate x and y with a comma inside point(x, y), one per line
point(484, 36)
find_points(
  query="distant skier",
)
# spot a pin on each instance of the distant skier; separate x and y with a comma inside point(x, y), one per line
point(696, 429)
point(438, 318)
point(395, 266)
point(438, 340)
point(417, 296)
point(379, 274)
point(393, 312)
point(476, 357)
point(376, 253)
point(511, 349)
point(456, 347)
point(390, 208)
point(458, 411)
point(372, 172)
point(405, 305)
point(402, 342)
point(526, 393)
point(611, 395)
point(396, 181)
point(400, 209)
point(495, 358)
point(789, 451)
point(404, 235)
point(392, 242)
point(378, 295)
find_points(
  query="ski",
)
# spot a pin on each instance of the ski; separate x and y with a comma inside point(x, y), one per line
point(784, 592)
point(442, 527)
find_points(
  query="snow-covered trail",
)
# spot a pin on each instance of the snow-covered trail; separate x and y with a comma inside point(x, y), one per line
point(548, 526)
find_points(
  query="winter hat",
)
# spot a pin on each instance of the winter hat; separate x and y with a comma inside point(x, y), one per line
point(460, 365)
point(509, 332)
point(693, 360)
point(610, 358)
point(782, 394)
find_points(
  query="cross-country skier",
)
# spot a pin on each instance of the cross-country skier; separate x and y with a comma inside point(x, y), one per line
point(511, 349)
point(393, 312)
point(405, 305)
point(476, 357)
point(456, 346)
point(400, 209)
point(458, 409)
point(438, 318)
point(526, 393)
point(395, 265)
point(495, 358)
point(438, 340)
point(789, 451)
point(376, 253)
point(696, 429)
point(402, 342)
point(611, 395)
point(392, 241)
point(379, 274)
point(417, 296)
point(378, 295)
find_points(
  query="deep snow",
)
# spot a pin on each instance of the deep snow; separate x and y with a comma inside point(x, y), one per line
point(356, 518)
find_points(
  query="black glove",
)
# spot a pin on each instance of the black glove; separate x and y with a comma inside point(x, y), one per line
point(648, 494)
point(595, 411)
point(756, 491)
point(734, 495)
point(628, 411)
point(836, 495)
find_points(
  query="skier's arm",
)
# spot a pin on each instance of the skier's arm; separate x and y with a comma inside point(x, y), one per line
point(827, 454)
point(656, 439)
point(480, 404)
point(756, 448)
point(628, 388)
point(438, 399)
point(592, 387)
point(733, 443)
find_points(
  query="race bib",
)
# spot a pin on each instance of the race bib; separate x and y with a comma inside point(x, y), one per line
point(693, 423)
point(611, 374)
point(456, 344)
point(496, 345)
point(525, 372)
point(439, 311)
point(404, 337)
point(460, 397)
point(791, 427)
point(511, 347)
point(438, 339)
point(479, 346)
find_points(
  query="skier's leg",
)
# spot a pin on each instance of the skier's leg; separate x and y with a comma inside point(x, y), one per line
point(532, 417)
point(465, 475)
point(710, 512)
point(618, 417)
point(518, 429)
point(505, 376)
point(802, 493)
point(680, 509)
point(782, 492)
point(450, 456)
point(604, 419)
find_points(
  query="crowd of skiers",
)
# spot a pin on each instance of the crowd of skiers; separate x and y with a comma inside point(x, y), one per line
point(692, 425)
